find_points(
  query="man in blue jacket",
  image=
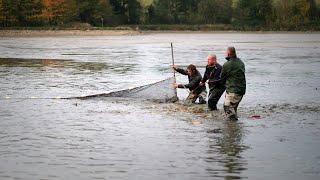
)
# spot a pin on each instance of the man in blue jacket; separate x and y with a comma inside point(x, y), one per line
point(212, 75)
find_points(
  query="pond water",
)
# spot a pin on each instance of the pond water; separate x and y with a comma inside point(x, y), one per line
point(45, 137)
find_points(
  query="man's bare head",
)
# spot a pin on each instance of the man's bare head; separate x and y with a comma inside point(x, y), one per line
point(212, 59)
point(231, 52)
point(191, 70)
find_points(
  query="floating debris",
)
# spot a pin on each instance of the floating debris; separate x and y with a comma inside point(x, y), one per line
point(256, 117)
point(214, 131)
point(196, 122)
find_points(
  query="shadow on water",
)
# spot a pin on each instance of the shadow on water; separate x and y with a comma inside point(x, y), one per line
point(63, 63)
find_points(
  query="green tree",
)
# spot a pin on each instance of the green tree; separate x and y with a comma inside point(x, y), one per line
point(70, 12)
point(207, 11)
point(10, 9)
point(127, 11)
point(215, 11)
point(187, 9)
point(253, 12)
point(263, 11)
point(119, 11)
point(20, 12)
point(307, 9)
point(94, 11)
point(294, 14)
point(313, 13)
point(175, 11)
point(134, 11)
point(163, 13)
point(2, 17)
point(29, 12)
point(149, 15)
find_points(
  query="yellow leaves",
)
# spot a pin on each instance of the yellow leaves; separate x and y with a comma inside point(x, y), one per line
point(304, 8)
point(53, 9)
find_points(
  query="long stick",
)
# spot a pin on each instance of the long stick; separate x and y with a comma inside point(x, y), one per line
point(174, 72)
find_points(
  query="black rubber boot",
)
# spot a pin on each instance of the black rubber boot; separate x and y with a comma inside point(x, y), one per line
point(230, 115)
point(214, 108)
point(201, 100)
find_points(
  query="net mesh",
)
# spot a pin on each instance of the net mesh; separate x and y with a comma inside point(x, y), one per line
point(161, 91)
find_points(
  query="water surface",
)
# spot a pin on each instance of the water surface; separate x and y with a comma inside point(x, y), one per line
point(44, 137)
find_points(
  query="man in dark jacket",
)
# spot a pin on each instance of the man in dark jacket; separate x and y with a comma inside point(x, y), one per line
point(194, 77)
point(212, 75)
point(233, 76)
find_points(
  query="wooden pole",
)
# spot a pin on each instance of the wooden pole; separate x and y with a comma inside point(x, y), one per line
point(174, 72)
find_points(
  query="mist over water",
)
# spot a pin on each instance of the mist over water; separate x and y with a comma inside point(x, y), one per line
point(42, 136)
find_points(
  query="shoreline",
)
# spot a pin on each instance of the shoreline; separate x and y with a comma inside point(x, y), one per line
point(58, 33)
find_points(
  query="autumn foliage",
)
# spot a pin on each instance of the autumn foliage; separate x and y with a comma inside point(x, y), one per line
point(240, 14)
point(58, 11)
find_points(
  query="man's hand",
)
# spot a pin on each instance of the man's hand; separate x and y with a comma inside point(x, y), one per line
point(202, 84)
point(175, 85)
point(174, 67)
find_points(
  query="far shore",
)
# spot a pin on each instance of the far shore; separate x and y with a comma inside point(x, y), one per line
point(54, 33)
point(57, 33)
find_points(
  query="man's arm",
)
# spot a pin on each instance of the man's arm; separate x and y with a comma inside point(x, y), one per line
point(194, 82)
point(205, 77)
point(181, 71)
point(224, 74)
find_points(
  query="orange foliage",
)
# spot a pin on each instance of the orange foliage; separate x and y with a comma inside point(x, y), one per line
point(53, 8)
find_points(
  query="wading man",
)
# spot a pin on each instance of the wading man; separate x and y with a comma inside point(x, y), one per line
point(233, 76)
point(212, 75)
point(194, 77)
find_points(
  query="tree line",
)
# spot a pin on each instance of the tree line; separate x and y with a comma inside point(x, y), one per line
point(264, 13)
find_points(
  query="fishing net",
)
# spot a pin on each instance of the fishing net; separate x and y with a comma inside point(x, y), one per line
point(161, 91)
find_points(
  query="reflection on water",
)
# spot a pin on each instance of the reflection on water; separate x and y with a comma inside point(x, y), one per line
point(50, 78)
point(231, 146)
point(15, 62)
point(58, 63)
point(225, 148)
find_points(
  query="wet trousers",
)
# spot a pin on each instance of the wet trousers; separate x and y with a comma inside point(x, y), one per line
point(231, 104)
point(214, 95)
point(193, 97)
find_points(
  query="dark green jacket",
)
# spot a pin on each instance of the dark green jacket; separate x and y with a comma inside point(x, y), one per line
point(233, 76)
point(194, 81)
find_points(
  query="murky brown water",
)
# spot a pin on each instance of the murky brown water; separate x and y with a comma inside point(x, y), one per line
point(110, 138)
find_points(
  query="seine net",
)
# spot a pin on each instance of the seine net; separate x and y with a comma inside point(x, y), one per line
point(161, 91)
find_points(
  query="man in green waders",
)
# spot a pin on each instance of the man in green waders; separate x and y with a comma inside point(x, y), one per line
point(233, 76)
